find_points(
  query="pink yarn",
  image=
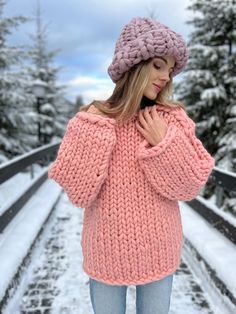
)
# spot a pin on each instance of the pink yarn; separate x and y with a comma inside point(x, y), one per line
point(132, 231)
point(144, 38)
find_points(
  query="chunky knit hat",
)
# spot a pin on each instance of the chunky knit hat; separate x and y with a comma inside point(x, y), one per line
point(144, 38)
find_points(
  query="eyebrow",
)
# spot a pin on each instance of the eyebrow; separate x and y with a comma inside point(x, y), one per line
point(159, 57)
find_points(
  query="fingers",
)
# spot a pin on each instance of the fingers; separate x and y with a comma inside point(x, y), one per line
point(153, 114)
point(157, 114)
point(140, 128)
point(149, 116)
point(146, 118)
point(143, 117)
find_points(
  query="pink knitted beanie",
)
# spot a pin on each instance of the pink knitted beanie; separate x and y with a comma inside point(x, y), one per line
point(144, 38)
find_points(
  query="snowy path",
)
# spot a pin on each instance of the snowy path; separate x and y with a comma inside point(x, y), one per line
point(55, 282)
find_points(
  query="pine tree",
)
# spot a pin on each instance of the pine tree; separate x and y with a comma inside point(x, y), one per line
point(209, 84)
point(43, 69)
point(208, 87)
point(13, 82)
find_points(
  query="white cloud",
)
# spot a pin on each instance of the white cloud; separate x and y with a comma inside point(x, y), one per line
point(90, 88)
point(86, 80)
point(98, 94)
point(86, 33)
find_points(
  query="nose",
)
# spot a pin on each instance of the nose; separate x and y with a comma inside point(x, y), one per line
point(165, 77)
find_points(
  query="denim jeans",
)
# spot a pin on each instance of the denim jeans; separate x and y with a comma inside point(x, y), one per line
point(151, 298)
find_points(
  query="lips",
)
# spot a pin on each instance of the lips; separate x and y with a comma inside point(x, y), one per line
point(157, 87)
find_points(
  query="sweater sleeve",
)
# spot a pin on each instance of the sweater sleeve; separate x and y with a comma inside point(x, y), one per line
point(82, 161)
point(179, 165)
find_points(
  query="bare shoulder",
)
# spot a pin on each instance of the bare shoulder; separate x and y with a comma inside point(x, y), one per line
point(95, 107)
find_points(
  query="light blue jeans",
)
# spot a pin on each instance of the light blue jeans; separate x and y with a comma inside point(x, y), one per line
point(151, 298)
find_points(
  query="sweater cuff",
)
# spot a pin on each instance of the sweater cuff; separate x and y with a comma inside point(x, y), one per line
point(145, 151)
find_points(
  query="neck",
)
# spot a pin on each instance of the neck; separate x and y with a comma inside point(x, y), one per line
point(146, 102)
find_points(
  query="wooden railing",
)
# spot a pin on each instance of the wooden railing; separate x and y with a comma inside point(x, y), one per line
point(223, 180)
point(220, 178)
point(16, 165)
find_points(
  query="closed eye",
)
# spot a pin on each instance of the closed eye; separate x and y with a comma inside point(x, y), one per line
point(157, 67)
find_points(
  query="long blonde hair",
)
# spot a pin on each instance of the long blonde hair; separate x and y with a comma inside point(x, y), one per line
point(128, 93)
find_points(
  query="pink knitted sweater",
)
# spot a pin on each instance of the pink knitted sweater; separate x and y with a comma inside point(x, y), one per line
point(132, 231)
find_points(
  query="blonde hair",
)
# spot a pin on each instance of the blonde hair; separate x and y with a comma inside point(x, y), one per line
point(127, 95)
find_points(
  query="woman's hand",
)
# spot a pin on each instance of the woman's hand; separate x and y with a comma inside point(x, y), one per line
point(153, 126)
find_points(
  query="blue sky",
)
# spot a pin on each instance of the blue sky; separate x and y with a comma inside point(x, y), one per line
point(86, 32)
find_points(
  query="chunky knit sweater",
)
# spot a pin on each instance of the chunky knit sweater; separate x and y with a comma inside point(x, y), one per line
point(132, 231)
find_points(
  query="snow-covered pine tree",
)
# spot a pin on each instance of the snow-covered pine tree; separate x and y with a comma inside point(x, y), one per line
point(42, 68)
point(14, 115)
point(209, 82)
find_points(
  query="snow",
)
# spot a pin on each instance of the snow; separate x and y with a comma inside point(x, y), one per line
point(225, 215)
point(218, 251)
point(14, 186)
point(20, 233)
point(15, 241)
point(225, 171)
point(72, 289)
point(73, 284)
point(213, 93)
point(233, 110)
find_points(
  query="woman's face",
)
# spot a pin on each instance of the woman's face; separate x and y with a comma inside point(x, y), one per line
point(161, 70)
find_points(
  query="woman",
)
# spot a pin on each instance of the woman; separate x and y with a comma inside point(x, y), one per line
point(128, 161)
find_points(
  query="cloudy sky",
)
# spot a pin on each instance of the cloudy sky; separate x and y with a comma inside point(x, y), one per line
point(86, 32)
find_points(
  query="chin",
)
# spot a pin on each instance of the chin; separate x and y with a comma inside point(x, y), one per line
point(151, 97)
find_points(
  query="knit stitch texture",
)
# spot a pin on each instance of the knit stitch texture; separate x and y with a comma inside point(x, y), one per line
point(132, 230)
point(145, 38)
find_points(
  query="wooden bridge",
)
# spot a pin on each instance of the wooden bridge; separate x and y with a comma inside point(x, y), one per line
point(204, 225)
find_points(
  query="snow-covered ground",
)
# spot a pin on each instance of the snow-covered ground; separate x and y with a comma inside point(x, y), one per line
point(19, 235)
point(217, 251)
point(55, 282)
